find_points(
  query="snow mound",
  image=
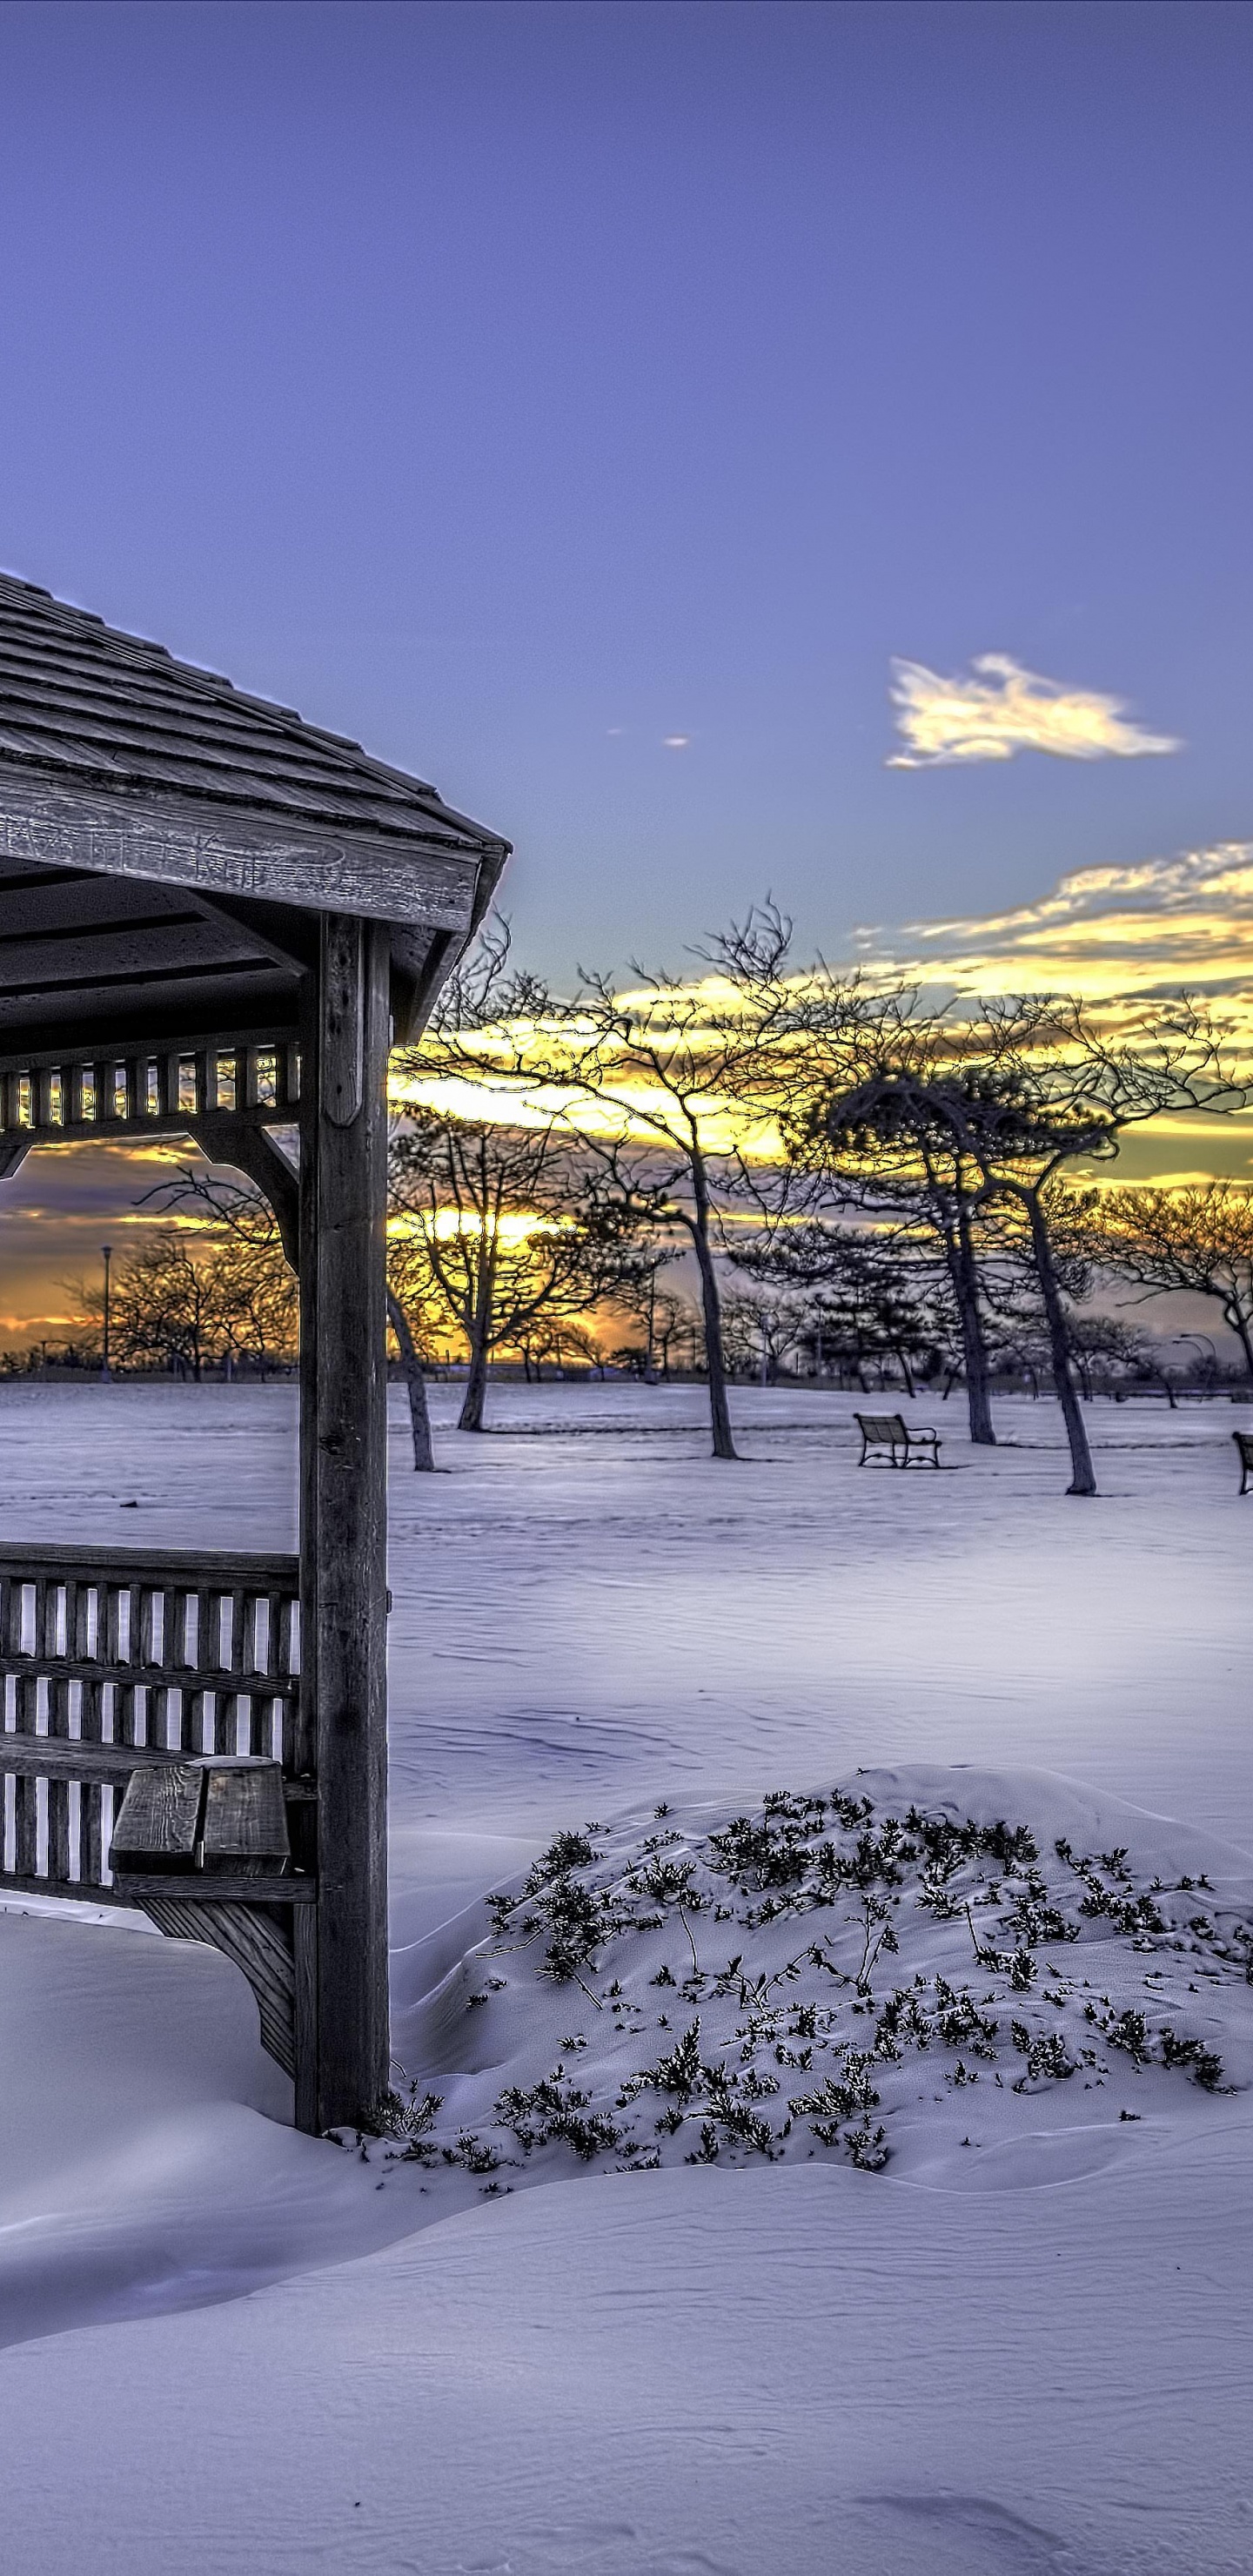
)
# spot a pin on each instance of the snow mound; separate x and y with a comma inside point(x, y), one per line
point(986, 1980)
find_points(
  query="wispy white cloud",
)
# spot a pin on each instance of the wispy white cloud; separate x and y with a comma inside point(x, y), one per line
point(1003, 710)
point(1148, 926)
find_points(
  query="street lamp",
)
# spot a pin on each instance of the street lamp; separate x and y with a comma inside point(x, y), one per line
point(107, 1250)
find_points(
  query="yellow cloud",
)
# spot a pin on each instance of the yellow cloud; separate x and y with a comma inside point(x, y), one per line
point(1121, 937)
point(1007, 710)
point(1118, 934)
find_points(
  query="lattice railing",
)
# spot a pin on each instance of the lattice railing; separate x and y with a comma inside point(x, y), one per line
point(149, 1090)
point(113, 1660)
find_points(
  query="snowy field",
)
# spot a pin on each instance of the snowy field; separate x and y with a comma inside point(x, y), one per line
point(1021, 2343)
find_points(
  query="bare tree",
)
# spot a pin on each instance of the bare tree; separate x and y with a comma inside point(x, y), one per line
point(761, 1328)
point(1196, 1239)
point(663, 1085)
point(1024, 1091)
point(656, 1308)
point(257, 1297)
point(506, 1225)
point(184, 1302)
point(1101, 1344)
point(668, 1320)
point(253, 1297)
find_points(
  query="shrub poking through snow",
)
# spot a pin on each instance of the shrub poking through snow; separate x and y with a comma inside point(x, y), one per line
point(555, 2109)
point(742, 2005)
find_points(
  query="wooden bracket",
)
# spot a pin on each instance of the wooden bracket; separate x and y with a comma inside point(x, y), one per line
point(252, 1151)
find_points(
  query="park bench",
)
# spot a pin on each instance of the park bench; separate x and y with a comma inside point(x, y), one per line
point(1244, 1446)
point(891, 1432)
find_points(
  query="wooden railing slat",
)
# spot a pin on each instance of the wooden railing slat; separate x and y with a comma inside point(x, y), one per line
point(107, 1654)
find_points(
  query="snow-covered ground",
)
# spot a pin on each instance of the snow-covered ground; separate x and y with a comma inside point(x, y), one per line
point(232, 2348)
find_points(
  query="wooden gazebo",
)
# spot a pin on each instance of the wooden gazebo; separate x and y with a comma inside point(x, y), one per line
point(214, 919)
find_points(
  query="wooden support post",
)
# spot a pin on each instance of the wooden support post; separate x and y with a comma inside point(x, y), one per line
point(343, 1448)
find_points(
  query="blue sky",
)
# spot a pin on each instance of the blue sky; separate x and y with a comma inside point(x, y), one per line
point(517, 387)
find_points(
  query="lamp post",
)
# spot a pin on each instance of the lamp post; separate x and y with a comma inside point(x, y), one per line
point(107, 1250)
point(650, 1361)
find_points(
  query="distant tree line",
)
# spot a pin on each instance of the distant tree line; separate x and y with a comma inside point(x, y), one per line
point(869, 1184)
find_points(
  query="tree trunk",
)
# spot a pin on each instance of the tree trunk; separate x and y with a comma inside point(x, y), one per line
point(419, 1411)
point(1083, 1479)
point(470, 1417)
point(1234, 1314)
point(965, 1279)
point(719, 1413)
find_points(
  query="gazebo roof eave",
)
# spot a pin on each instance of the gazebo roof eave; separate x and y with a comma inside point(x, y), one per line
point(233, 845)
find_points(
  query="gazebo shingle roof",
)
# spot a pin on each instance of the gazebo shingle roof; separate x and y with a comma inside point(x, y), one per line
point(164, 839)
point(85, 701)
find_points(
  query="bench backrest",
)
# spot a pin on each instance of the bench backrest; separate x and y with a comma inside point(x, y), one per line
point(880, 1426)
point(1244, 1443)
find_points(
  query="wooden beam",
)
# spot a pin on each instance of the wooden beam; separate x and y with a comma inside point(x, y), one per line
point(289, 937)
point(22, 1882)
point(343, 1436)
point(206, 1888)
point(139, 1676)
point(218, 1569)
point(122, 952)
point(164, 1021)
point(46, 1757)
point(234, 850)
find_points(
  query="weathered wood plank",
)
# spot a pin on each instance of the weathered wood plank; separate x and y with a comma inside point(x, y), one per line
point(58, 1789)
point(37, 1885)
point(158, 1822)
point(245, 1819)
point(131, 1564)
point(26, 1805)
point(168, 839)
point(47, 901)
point(245, 1133)
point(168, 1016)
point(220, 1887)
point(46, 1757)
point(119, 949)
point(79, 1628)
